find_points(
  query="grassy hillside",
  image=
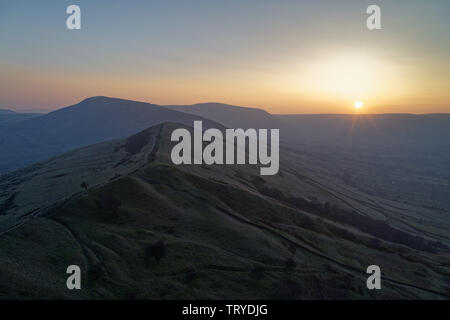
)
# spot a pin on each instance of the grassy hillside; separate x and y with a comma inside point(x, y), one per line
point(146, 229)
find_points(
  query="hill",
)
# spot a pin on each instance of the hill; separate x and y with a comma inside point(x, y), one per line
point(145, 228)
point(232, 116)
point(92, 120)
point(6, 111)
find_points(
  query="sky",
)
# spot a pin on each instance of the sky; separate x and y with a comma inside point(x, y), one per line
point(282, 56)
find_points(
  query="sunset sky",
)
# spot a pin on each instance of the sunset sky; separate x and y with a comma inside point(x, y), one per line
point(282, 56)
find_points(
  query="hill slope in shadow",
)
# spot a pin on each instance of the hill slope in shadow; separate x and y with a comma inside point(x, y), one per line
point(146, 229)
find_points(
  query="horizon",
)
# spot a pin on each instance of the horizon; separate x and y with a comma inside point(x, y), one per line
point(285, 58)
point(45, 111)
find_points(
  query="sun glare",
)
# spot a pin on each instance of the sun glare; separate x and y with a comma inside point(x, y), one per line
point(343, 77)
point(358, 105)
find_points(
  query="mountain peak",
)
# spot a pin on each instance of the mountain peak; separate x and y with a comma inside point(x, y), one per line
point(104, 99)
point(227, 107)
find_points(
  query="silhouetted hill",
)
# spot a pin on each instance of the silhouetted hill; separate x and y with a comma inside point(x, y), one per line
point(6, 111)
point(90, 121)
point(232, 116)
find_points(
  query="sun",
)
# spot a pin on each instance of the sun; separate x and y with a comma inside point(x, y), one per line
point(358, 105)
